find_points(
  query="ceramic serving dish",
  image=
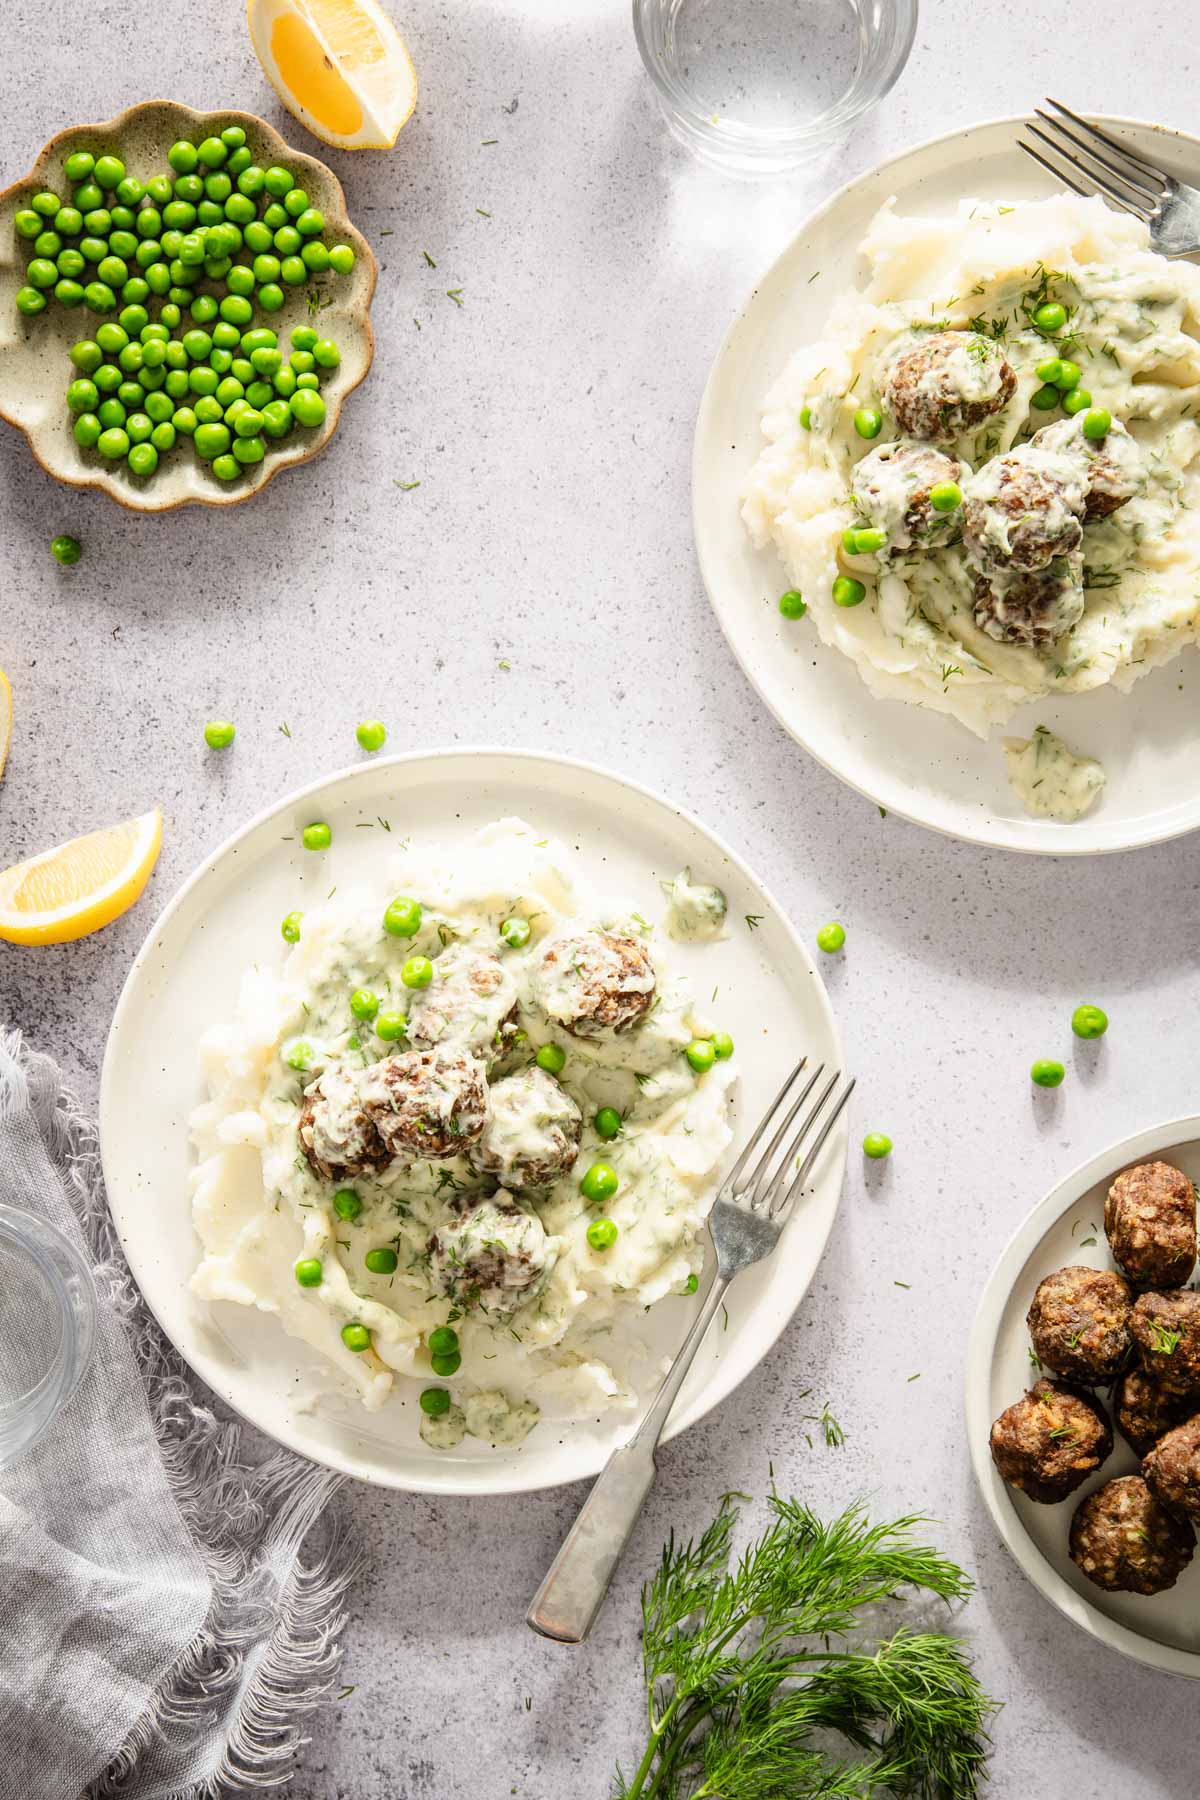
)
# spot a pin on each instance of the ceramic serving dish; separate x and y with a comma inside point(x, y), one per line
point(34, 365)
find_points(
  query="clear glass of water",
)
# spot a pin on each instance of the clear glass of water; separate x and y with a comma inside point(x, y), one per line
point(757, 87)
point(47, 1327)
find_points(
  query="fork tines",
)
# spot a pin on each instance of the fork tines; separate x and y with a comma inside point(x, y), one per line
point(768, 1180)
point(1093, 157)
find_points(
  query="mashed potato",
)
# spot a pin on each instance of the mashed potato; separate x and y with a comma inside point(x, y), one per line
point(1109, 597)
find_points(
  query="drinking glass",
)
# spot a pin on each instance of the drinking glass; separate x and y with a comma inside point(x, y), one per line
point(47, 1327)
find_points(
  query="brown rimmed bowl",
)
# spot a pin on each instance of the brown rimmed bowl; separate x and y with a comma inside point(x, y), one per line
point(34, 365)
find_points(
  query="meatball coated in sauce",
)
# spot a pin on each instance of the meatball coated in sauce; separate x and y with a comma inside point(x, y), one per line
point(1050, 1441)
point(1126, 1542)
point(337, 1136)
point(595, 984)
point(946, 384)
point(1023, 510)
point(1172, 1469)
point(1166, 1330)
point(491, 1256)
point(471, 1002)
point(1146, 1411)
point(1150, 1221)
point(891, 493)
point(1079, 1323)
point(1111, 466)
point(532, 1135)
point(1031, 607)
point(426, 1103)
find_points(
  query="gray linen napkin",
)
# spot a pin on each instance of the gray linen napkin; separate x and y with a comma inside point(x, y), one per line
point(161, 1634)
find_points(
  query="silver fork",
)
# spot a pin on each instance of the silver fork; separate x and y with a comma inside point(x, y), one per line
point(1125, 177)
point(747, 1217)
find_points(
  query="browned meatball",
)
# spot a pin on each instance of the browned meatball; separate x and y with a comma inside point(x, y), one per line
point(1023, 509)
point(1146, 1411)
point(1112, 465)
point(1150, 1219)
point(1031, 607)
point(426, 1103)
point(336, 1135)
point(1124, 1541)
point(1166, 1330)
point(1050, 1441)
point(471, 1003)
point(1172, 1469)
point(891, 492)
point(1079, 1323)
point(595, 983)
point(491, 1255)
point(532, 1134)
point(948, 383)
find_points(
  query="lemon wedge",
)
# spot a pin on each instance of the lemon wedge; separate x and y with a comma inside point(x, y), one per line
point(339, 66)
point(5, 718)
point(74, 889)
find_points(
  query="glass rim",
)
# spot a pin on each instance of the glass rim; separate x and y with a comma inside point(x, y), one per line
point(768, 139)
point(58, 1263)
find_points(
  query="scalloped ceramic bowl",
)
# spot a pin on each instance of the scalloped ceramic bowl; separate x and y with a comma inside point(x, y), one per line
point(34, 367)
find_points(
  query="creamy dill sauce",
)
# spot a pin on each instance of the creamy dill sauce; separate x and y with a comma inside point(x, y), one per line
point(258, 1205)
point(1051, 780)
point(695, 909)
point(1134, 320)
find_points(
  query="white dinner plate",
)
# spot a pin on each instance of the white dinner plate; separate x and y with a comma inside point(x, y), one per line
point(1160, 1630)
point(187, 976)
point(917, 763)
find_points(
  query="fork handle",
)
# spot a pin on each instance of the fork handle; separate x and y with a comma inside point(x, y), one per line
point(571, 1595)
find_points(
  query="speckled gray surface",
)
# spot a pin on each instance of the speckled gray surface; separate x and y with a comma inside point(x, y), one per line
point(538, 588)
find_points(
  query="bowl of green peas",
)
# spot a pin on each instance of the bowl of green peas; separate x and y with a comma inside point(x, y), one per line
point(184, 306)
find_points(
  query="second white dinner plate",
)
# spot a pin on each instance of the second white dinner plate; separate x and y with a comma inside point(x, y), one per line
point(917, 763)
point(226, 917)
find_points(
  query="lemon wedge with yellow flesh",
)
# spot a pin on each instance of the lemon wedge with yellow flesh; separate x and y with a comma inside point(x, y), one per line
point(74, 889)
point(5, 718)
point(339, 66)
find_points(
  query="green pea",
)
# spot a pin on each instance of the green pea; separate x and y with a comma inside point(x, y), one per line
point(1050, 316)
point(515, 932)
point(390, 1027)
point(1047, 1073)
point(276, 418)
point(310, 222)
point(27, 223)
point(182, 156)
point(83, 396)
point(285, 385)
point(204, 311)
point(87, 356)
point(204, 380)
point(307, 408)
point(691, 1284)
point(701, 1055)
point(211, 440)
point(47, 244)
point(1089, 1022)
point(87, 197)
point(346, 1203)
point(31, 301)
point(226, 336)
point(722, 1043)
point(130, 395)
point(1068, 375)
point(303, 337)
point(258, 237)
point(288, 241)
point(233, 137)
point(109, 171)
point(317, 836)
point(314, 256)
point(93, 249)
point(443, 1341)
point(381, 1262)
point(602, 1234)
point(261, 338)
point(229, 390)
point(212, 153)
point(113, 443)
point(87, 429)
point(66, 550)
point(309, 1272)
point(599, 1182)
point(945, 496)
point(111, 412)
point(249, 450)
point(299, 1054)
point(209, 411)
point(68, 221)
point(79, 165)
point(447, 1363)
point(848, 592)
point(1097, 423)
point(277, 181)
point(143, 458)
point(868, 422)
point(160, 408)
point(434, 1402)
point(877, 1145)
point(240, 209)
point(868, 540)
point(270, 297)
point(251, 179)
point(295, 201)
point(302, 361)
point(363, 1003)
point(289, 930)
point(356, 1337)
point(41, 272)
point(139, 426)
point(185, 420)
point(218, 735)
point(236, 309)
point(831, 937)
point(309, 382)
point(341, 259)
point(792, 604)
point(552, 1058)
point(248, 422)
point(1045, 399)
point(608, 1123)
point(402, 918)
point(417, 972)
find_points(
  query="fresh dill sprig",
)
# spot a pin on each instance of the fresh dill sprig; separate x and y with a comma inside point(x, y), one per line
point(752, 1676)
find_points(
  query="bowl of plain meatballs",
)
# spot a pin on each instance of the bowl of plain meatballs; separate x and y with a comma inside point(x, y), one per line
point(1093, 1471)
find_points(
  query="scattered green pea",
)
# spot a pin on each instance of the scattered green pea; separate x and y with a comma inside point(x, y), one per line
point(66, 550)
point(1047, 1073)
point(346, 1203)
point(515, 932)
point(402, 918)
point(316, 836)
point(792, 604)
point(868, 421)
point(1089, 1022)
point(356, 1337)
point(848, 592)
point(390, 1027)
point(552, 1058)
point(446, 1363)
point(600, 1182)
point(831, 937)
point(434, 1402)
point(309, 1272)
point(290, 928)
point(1097, 423)
point(381, 1262)
point(1050, 316)
point(417, 972)
point(371, 733)
point(701, 1055)
point(722, 1043)
point(299, 1055)
point(1049, 371)
point(364, 1004)
point(602, 1234)
point(877, 1145)
point(691, 1284)
point(608, 1123)
point(219, 734)
point(806, 418)
point(1045, 399)
point(1068, 375)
